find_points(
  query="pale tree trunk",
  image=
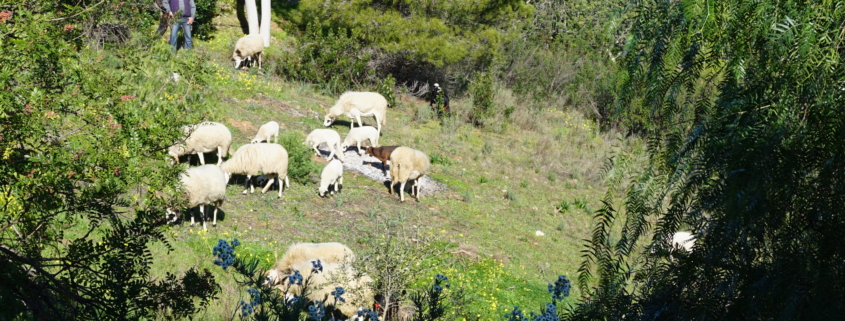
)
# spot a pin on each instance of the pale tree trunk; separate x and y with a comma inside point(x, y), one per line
point(266, 13)
point(252, 17)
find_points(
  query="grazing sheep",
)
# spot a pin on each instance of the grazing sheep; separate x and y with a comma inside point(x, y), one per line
point(260, 180)
point(203, 138)
point(383, 154)
point(332, 174)
point(356, 104)
point(331, 252)
point(321, 279)
point(330, 137)
point(270, 129)
point(407, 164)
point(264, 158)
point(204, 185)
point(248, 47)
point(359, 135)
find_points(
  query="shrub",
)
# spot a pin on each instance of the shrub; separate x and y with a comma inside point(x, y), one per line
point(482, 98)
point(300, 166)
point(439, 159)
point(387, 88)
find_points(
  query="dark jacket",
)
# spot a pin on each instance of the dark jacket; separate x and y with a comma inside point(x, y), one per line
point(188, 7)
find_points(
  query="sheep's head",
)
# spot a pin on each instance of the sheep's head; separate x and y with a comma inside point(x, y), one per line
point(328, 120)
point(273, 277)
point(322, 190)
point(175, 151)
point(238, 58)
point(369, 150)
point(344, 146)
point(255, 141)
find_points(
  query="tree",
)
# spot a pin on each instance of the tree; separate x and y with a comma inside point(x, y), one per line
point(266, 14)
point(741, 104)
point(82, 135)
point(252, 17)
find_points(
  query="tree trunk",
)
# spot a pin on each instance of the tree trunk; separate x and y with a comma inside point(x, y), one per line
point(252, 17)
point(266, 13)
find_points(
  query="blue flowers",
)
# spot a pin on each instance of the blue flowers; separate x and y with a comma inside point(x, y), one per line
point(225, 253)
point(337, 293)
point(318, 267)
point(316, 311)
point(515, 315)
point(440, 278)
point(367, 315)
point(438, 288)
point(295, 278)
point(561, 288)
point(248, 307)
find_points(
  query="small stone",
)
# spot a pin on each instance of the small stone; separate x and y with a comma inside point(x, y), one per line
point(539, 233)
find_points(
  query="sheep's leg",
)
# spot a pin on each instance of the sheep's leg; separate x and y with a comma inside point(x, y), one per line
point(331, 153)
point(202, 216)
point(247, 184)
point(378, 122)
point(191, 213)
point(358, 117)
point(202, 158)
point(215, 215)
point(359, 148)
point(339, 181)
point(402, 192)
point(270, 182)
point(259, 61)
point(219, 155)
point(316, 151)
point(287, 183)
point(384, 168)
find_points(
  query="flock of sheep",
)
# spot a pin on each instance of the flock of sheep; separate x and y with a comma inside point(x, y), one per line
point(206, 184)
point(324, 265)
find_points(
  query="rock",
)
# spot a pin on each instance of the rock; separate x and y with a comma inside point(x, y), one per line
point(539, 233)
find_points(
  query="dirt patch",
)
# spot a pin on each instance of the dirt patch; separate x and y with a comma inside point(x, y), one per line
point(244, 126)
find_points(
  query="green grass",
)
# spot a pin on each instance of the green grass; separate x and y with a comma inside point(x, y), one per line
point(503, 186)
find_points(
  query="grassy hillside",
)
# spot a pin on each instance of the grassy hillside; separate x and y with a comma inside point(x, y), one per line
point(540, 171)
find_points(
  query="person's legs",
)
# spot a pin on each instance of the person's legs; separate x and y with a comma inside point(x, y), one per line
point(174, 33)
point(186, 30)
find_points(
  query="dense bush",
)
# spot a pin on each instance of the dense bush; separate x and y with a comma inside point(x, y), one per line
point(741, 105)
point(300, 166)
point(82, 133)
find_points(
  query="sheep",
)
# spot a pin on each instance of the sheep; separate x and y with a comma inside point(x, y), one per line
point(204, 185)
point(683, 240)
point(332, 174)
point(248, 47)
point(407, 164)
point(331, 252)
point(356, 104)
point(254, 159)
point(383, 154)
point(359, 135)
point(270, 129)
point(320, 279)
point(203, 138)
point(330, 137)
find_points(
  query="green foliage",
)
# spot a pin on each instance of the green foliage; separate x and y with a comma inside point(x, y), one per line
point(387, 88)
point(440, 159)
point(206, 11)
point(482, 98)
point(300, 166)
point(81, 133)
point(329, 56)
point(741, 103)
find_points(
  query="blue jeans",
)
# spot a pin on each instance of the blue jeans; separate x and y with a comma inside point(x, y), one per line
point(186, 30)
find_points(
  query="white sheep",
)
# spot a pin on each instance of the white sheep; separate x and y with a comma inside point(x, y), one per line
point(248, 47)
point(264, 158)
point(270, 129)
point(320, 283)
point(331, 252)
point(683, 240)
point(203, 138)
point(407, 164)
point(204, 185)
point(332, 174)
point(358, 135)
point(354, 104)
point(328, 136)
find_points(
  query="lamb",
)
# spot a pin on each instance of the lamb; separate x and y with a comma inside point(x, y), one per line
point(356, 104)
point(330, 137)
point(248, 47)
point(204, 185)
point(254, 159)
point(203, 138)
point(383, 154)
point(270, 129)
point(321, 279)
point(332, 174)
point(331, 252)
point(407, 164)
point(359, 135)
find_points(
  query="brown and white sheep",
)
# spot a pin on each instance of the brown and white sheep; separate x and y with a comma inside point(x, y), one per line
point(407, 164)
point(383, 154)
